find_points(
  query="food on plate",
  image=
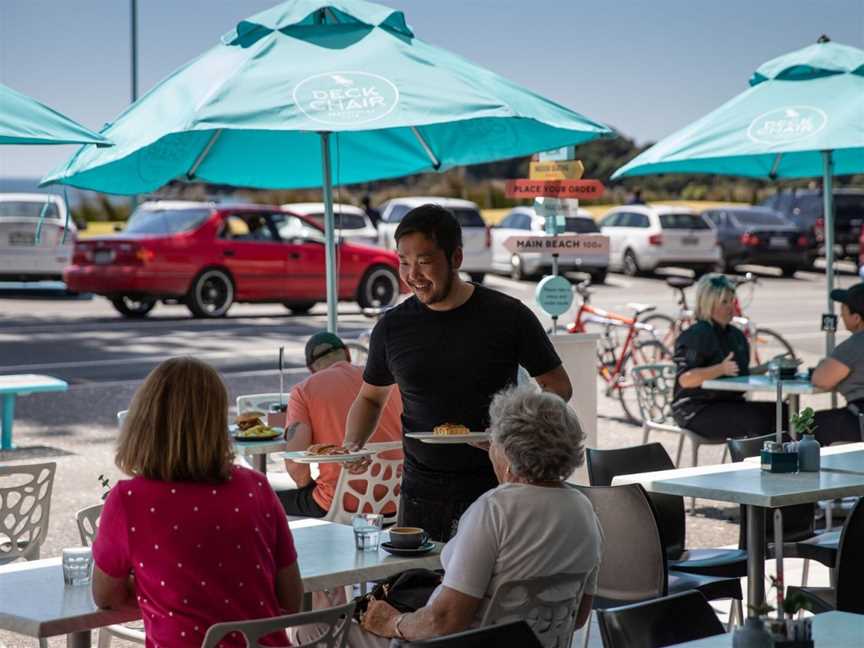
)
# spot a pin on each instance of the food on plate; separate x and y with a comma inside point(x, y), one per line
point(324, 449)
point(259, 430)
point(249, 419)
point(450, 429)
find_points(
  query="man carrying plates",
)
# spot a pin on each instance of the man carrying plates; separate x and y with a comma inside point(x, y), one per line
point(450, 347)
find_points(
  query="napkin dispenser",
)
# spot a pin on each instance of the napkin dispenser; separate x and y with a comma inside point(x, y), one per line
point(779, 457)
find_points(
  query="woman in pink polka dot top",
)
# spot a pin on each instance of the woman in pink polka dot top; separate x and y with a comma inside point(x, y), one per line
point(191, 539)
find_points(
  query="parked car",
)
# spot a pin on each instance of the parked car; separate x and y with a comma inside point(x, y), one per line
point(643, 238)
point(352, 223)
point(209, 256)
point(761, 236)
point(805, 209)
point(522, 221)
point(476, 236)
point(22, 257)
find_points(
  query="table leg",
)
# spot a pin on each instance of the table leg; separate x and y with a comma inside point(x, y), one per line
point(78, 639)
point(755, 559)
point(259, 462)
point(6, 423)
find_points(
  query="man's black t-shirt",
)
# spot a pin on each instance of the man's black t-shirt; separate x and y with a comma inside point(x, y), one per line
point(449, 365)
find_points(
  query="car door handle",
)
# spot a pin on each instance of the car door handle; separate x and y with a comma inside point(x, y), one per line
point(294, 255)
point(228, 253)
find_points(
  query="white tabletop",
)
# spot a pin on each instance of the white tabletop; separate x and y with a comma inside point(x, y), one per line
point(22, 383)
point(830, 630)
point(762, 383)
point(34, 601)
point(744, 483)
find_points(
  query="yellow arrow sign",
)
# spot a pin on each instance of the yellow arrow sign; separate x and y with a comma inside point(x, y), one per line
point(567, 170)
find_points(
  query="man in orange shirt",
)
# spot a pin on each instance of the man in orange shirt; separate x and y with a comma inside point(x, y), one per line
point(317, 411)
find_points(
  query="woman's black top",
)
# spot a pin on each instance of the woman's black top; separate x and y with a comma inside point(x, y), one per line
point(702, 345)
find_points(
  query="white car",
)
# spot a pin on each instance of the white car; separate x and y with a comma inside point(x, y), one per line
point(476, 235)
point(352, 223)
point(22, 257)
point(643, 238)
point(522, 221)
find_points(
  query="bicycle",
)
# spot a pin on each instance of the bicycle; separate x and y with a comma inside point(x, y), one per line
point(615, 359)
point(765, 343)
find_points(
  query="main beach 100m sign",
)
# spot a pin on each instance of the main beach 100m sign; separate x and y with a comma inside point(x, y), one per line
point(346, 98)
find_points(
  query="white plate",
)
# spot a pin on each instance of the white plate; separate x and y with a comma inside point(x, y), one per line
point(234, 431)
point(429, 437)
point(301, 456)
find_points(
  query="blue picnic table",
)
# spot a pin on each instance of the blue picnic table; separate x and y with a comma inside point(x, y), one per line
point(22, 385)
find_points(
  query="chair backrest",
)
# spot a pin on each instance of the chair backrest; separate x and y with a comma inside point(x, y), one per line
point(121, 417)
point(661, 622)
point(850, 562)
point(604, 465)
point(260, 402)
point(334, 623)
point(798, 520)
point(655, 384)
point(375, 490)
point(25, 503)
point(633, 567)
point(87, 520)
point(540, 602)
point(508, 635)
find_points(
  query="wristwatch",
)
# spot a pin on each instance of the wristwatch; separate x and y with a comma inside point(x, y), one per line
point(396, 628)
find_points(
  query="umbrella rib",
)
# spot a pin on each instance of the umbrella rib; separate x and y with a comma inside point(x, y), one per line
point(436, 163)
point(775, 166)
point(190, 174)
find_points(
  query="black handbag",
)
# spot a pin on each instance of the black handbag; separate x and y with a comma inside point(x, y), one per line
point(406, 591)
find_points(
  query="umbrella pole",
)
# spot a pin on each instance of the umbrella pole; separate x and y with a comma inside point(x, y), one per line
point(329, 233)
point(828, 210)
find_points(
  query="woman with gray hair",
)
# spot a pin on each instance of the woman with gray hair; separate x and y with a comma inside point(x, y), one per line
point(713, 348)
point(533, 524)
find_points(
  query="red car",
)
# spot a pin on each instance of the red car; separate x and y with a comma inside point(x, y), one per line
point(210, 256)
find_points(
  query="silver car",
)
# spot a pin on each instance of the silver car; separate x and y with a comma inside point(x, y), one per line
point(352, 223)
point(30, 251)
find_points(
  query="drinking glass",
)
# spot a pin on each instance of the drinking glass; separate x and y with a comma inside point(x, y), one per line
point(77, 565)
point(367, 530)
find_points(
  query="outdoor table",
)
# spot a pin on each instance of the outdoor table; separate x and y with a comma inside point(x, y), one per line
point(22, 385)
point(35, 602)
point(755, 489)
point(257, 451)
point(830, 630)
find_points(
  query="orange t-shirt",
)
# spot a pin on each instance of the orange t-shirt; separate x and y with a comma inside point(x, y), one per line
point(322, 402)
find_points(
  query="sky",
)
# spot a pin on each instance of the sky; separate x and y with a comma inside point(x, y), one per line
point(646, 68)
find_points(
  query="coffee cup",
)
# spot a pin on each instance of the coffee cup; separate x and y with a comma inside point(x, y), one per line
point(408, 537)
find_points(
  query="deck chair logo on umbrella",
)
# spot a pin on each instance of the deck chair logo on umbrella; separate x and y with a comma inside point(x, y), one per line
point(789, 124)
point(309, 86)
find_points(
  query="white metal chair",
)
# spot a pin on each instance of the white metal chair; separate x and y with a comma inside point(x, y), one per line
point(121, 417)
point(260, 402)
point(333, 624)
point(87, 520)
point(655, 386)
point(25, 504)
point(373, 491)
point(549, 604)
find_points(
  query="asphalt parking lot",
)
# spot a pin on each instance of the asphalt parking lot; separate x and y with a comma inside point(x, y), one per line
point(104, 358)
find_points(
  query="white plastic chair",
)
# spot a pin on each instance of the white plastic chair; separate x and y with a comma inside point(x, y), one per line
point(87, 520)
point(121, 417)
point(25, 503)
point(381, 473)
point(260, 402)
point(540, 603)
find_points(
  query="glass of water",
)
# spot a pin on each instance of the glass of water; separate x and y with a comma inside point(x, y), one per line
point(77, 565)
point(367, 530)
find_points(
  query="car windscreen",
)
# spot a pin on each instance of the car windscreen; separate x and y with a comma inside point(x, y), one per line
point(343, 221)
point(848, 207)
point(468, 217)
point(770, 219)
point(581, 226)
point(28, 209)
point(165, 221)
point(683, 222)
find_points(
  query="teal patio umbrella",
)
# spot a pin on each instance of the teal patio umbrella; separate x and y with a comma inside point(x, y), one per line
point(24, 120)
point(316, 93)
point(803, 116)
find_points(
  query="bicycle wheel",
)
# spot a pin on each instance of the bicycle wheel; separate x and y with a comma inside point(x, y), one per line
point(647, 352)
point(665, 329)
point(359, 353)
point(767, 344)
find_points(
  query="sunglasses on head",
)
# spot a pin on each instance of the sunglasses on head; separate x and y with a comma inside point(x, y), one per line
point(721, 282)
